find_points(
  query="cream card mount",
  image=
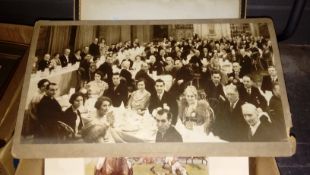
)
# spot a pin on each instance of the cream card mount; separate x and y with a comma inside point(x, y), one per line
point(162, 9)
point(74, 119)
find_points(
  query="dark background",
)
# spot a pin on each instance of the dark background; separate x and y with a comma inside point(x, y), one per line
point(28, 11)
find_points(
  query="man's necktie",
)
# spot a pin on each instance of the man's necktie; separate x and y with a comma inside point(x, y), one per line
point(249, 90)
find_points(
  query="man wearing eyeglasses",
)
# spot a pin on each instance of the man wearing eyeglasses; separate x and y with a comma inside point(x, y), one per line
point(166, 132)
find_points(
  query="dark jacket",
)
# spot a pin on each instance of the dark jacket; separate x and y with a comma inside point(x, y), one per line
point(246, 64)
point(275, 111)
point(213, 91)
point(155, 102)
point(84, 70)
point(69, 117)
point(185, 74)
point(63, 60)
point(73, 59)
point(128, 77)
point(94, 50)
point(171, 135)
point(267, 83)
point(264, 132)
point(107, 71)
point(149, 82)
point(255, 98)
point(118, 95)
point(158, 66)
point(196, 63)
point(230, 124)
point(49, 112)
point(42, 64)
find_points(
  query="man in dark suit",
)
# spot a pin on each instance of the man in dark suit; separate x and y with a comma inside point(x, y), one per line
point(94, 49)
point(195, 62)
point(270, 79)
point(48, 113)
point(85, 51)
point(205, 53)
point(118, 91)
point(245, 62)
point(84, 70)
point(182, 78)
point(44, 63)
point(163, 98)
point(236, 75)
point(214, 88)
point(106, 69)
point(275, 111)
point(166, 132)
point(156, 65)
point(259, 126)
point(230, 124)
point(126, 74)
point(64, 59)
point(249, 93)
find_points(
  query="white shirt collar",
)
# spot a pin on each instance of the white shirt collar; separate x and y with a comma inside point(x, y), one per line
point(160, 95)
point(234, 104)
point(254, 128)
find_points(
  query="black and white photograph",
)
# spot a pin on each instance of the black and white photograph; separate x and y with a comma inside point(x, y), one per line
point(183, 83)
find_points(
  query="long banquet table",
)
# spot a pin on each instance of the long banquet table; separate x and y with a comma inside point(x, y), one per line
point(66, 78)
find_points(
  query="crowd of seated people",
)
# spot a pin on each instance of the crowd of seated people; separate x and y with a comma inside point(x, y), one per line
point(213, 79)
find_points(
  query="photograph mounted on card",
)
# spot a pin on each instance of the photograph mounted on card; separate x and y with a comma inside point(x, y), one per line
point(158, 9)
point(134, 88)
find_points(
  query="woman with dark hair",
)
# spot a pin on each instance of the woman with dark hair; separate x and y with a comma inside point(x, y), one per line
point(97, 86)
point(72, 116)
point(55, 61)
point(97, 124)
point(140, 98)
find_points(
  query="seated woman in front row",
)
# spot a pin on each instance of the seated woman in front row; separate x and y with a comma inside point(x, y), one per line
point(71, 120)
point(195, 112)
point(97, 124)
point(97, 86)
point(140, 98)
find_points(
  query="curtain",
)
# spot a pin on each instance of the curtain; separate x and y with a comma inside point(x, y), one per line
point(84, 36)
point(111, 34)
point(143, 33)
point(59, 39)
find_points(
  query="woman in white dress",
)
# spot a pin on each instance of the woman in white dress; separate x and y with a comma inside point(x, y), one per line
point(97, 123)
point(97, 86)
point(137, 63)
point(140, 98)
point(195, 114)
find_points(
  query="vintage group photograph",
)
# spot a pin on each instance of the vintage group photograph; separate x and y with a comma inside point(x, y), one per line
point(181, 83)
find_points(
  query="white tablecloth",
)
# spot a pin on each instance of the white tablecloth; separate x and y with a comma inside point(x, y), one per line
point(66, 78)
point(131, 127)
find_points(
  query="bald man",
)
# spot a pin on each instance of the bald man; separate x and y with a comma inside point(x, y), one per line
point(259, 126)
